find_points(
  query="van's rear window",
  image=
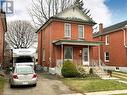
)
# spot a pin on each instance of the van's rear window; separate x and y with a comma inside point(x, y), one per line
point(21, 59)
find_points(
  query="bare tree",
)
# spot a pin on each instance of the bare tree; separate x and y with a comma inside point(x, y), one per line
point(20, 34)
point(79, 4)
point(42, 10)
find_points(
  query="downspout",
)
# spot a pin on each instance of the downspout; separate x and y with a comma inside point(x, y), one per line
point(124, 37)
point(50, 58)
point(41, 62)
point(99, 57)
point(89, 54)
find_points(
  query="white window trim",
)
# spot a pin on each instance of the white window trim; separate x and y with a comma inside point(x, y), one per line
point(65, 30)
point(83, 31)
point(107, 40)
point(88, 62)
point(43, 56)
point(64, 52)
point(105, 57)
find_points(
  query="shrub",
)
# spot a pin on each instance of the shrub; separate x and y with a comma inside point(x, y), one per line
point(109, 72)
point(69, 70)
point(82, 72)
point(91, 71)
point(92, 74)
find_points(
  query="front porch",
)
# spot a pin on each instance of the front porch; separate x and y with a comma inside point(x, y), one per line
point(79, 52)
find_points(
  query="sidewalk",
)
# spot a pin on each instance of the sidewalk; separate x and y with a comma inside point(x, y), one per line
point(102, 93)
point(74, 94)
point(107, 92)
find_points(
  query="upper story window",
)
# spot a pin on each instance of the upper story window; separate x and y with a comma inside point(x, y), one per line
point(44, 37)
point(67, 30)
point(107, 40)
point(80, 31)
point(106, 56)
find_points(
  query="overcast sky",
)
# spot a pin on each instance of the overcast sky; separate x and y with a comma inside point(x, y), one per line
point(102, 11)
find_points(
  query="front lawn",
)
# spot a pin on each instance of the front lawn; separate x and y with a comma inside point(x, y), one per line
point(93, 85)
point(1, 83)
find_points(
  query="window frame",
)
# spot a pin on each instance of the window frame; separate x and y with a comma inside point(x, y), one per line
point(105, 57)
point(64, 52)
point(79, 31)
point(65, 35)
point(43, 55)
point(107, 40)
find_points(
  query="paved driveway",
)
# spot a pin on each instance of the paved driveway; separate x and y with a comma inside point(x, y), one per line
point(45, 86)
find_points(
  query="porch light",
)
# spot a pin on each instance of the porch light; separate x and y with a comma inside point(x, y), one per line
point(80, 51)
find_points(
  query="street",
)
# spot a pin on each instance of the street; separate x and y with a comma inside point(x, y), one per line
point(45, 86)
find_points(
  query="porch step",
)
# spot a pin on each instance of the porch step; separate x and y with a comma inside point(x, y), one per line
point(100, 72)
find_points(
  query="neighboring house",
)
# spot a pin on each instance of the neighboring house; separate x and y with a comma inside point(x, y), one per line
point(3, 29)
point(114, 51)
point(7, 55)
point(66, 36)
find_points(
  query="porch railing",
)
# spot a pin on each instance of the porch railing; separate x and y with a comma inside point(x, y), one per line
point(99, 68)
point(92, 63)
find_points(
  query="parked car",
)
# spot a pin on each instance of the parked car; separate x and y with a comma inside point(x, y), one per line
point(22, 75)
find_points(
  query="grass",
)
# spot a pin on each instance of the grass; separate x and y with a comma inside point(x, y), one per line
point(1, 83)
point(93, 85)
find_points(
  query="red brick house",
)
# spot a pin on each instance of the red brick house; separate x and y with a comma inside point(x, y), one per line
point(3, 29)
point(67, 35)
point(114, 51)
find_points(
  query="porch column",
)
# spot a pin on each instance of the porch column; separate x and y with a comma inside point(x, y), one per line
point(62, 57)
point(99, 57)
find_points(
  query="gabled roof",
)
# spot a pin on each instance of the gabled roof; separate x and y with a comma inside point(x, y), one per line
point(73, 12)
point(112, 28)
point(70, 14)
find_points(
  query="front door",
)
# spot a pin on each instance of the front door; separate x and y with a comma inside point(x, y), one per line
point(85, 56)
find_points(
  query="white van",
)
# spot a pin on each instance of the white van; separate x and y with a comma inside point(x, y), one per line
point(24, 57)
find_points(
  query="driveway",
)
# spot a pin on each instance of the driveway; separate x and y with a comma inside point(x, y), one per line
point(45, 86)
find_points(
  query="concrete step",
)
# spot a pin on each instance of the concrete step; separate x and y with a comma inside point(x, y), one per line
point(120, 74)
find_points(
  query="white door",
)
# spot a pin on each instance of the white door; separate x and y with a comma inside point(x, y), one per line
point(85, 56)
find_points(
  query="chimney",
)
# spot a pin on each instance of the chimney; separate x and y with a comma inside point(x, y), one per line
point(101, 27)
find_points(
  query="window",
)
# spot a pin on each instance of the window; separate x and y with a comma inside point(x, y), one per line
point(107, 40)
point(68, 53)
point(24, 70)
point(22, 59)
point(106, 55)
point(44, 37)
point(43, 56)
point(80, 31)
point(67, 30)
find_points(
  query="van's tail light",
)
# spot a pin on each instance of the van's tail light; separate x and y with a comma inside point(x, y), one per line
point(15, 76)
point(34, 75)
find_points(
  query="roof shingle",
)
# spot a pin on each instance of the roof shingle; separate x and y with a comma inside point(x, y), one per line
point(111, 28)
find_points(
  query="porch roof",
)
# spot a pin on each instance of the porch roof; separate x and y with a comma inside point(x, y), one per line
point(77, 42)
